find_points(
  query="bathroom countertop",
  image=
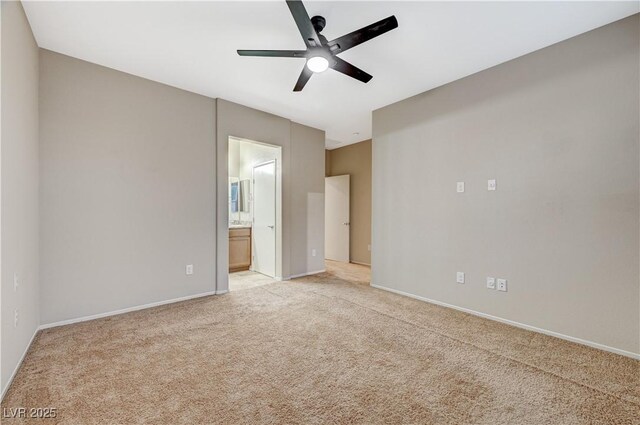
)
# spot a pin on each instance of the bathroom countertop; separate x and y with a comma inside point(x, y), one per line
point(239, 226)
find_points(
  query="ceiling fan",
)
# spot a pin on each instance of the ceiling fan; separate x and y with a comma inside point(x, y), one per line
point(320, 53)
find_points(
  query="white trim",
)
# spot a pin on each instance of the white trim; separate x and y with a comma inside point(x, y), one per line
point(128, 310)
point(305, 274)
point(99, 316)
point(15, 371)
point(361, 264)
point(516, 324)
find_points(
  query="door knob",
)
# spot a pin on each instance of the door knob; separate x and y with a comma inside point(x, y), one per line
point(271, 227)
point(346, 224)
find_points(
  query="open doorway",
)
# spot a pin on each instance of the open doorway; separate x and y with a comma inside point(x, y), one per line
point(255, 213)
point(348, 211)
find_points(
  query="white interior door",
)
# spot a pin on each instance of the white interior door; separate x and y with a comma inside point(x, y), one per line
point(264, 219)
point(336, 218)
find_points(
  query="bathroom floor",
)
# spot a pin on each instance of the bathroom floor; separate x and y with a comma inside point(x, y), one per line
point(354, 273)
point(247, 279)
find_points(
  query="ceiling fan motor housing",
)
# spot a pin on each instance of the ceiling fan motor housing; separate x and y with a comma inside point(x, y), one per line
point(321, 53)
point(318, 23)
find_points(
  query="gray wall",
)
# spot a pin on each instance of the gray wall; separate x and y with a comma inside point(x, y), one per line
point(127, 190)
point(307, 199)
point(247, 123)
point(19, 187)
point(558, 129)
point(300, 145)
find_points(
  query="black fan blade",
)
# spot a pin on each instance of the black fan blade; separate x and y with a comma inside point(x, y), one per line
point(350, 70)
point(274, 53)
point(304, 77)
point(352, 39)
point(304, 24)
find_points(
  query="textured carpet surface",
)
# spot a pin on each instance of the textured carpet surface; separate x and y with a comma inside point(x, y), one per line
point(318, 350)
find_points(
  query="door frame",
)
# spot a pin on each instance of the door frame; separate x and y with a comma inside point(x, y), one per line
point(221, 237)
point(276, 228)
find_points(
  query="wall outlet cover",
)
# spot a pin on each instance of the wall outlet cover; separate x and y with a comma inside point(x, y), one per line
point(460, 187)
point(491, 185)
point(502, 285)
point(16, 282)
point(189, 269)
point(313, 252)
point(491, 283)
point(460, 277)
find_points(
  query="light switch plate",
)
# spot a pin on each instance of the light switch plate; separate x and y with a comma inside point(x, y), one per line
point(502, 285)
point(189, 269)
point(16, 282)
point(460, 277)
point(491, 282)
point(460, 187)
point(491, 184)
point(313, 252)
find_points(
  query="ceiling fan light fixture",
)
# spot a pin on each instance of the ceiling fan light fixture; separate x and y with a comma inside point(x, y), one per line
point(318, 64)
point(322, 53)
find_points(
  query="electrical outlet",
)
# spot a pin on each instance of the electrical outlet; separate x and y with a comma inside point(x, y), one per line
point(16, 282)
point(369, 247)
point(491, 282)
point(460, 277)
point(189, 269)
point(313, 252)
point(15, 318)
point(460, 187)
point(502, 285)
point(491, 185)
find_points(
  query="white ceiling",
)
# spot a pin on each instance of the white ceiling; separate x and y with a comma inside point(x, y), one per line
point(193, 46)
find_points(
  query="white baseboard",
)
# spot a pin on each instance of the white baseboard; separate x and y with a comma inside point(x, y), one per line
point(128, 309)
point(15, 370)
point(516, 324)
point(361, 264)
point(99, 316)
point(305, 274)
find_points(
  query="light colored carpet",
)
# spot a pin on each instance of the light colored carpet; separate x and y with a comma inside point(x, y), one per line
point(314, 351)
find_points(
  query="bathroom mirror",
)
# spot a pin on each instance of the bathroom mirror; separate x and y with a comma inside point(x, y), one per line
point(234, 191)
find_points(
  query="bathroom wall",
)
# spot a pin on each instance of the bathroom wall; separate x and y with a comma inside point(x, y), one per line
point(243, 156)
point(252, 154)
